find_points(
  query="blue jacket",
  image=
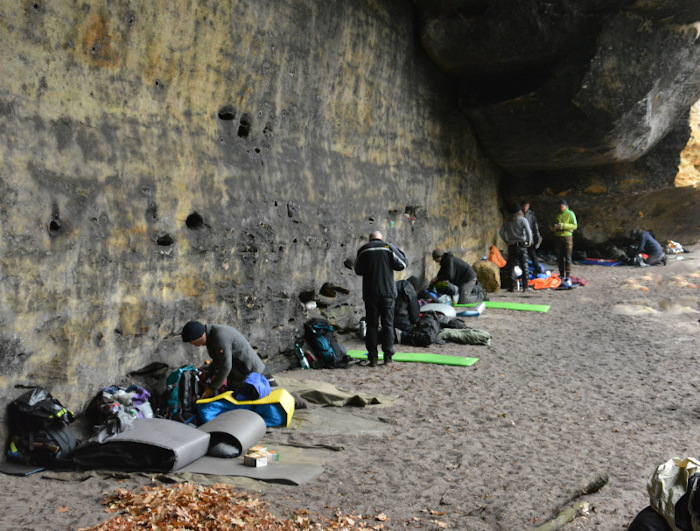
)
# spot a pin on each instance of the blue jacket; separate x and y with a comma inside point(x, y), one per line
point(647, 244)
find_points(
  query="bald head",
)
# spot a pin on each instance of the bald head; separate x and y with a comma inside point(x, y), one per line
point(376, 235)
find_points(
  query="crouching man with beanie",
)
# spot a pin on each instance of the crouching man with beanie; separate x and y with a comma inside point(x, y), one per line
point(232, 356)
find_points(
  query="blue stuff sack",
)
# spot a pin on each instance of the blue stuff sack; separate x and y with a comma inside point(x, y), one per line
point(254, 387)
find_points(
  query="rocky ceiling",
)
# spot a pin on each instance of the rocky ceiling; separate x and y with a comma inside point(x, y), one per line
point(562, 84)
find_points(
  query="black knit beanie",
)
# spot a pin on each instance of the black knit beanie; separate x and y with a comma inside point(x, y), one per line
point(192, 330)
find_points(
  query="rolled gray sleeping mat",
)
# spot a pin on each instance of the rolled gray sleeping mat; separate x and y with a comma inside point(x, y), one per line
point(234, 431)
point(151, 445)
point(160, 445)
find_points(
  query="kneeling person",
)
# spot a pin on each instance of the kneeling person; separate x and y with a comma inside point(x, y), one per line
point(232, 356)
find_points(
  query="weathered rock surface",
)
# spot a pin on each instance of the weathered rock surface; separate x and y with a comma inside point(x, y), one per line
point(163, 161)
point(689, 167)
point(170, 160)
point(570, 83)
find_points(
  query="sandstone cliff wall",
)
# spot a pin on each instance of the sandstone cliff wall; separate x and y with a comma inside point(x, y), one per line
point(168, 160)
point(689, 167)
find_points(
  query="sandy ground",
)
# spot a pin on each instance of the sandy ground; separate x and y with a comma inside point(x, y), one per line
point(605, 381)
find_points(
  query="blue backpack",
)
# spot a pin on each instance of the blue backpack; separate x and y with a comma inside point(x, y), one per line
point(255, 387)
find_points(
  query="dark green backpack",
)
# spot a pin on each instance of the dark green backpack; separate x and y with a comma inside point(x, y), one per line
point(181, 395)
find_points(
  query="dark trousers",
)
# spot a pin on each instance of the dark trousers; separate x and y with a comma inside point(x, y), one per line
point(380, 309)
point(532, 253)
point(564, 247)
point(655, 259)
point(517, 255)
point(465, 292)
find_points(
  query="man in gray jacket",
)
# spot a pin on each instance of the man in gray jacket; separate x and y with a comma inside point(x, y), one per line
point(516, 232)
point(232, 356)
point(536, 236)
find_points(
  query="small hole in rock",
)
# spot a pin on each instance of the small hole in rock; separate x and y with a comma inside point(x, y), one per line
point(227, 112)
point(165, 240)
point(55, 226)
point(244, 128)
point(194, 221)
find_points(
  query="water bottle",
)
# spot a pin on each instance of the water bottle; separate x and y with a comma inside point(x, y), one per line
point(302, 357)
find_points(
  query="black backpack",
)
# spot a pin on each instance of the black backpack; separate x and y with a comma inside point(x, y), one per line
point(320, 338)
point(424, 332)
point(406, 308)
point(38, 430)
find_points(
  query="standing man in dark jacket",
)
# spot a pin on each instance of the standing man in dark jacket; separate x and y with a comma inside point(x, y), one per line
point(536, 236)
point(376, 262)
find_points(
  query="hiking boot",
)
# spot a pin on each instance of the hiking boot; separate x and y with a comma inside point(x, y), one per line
point(663, 260)
point(388, 359)
point(373, 360)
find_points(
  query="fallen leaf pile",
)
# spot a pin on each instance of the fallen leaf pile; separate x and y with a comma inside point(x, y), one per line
point(186, 506)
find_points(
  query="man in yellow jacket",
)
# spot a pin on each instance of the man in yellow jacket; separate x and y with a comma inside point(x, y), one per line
point(564, 226)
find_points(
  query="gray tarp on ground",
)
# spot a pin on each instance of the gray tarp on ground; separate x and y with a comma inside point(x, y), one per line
point(178, 448)
point(298, 464)
point(307, 424)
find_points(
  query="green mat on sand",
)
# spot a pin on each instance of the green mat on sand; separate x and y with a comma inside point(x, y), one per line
point(420, 357)
point(522, 306)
